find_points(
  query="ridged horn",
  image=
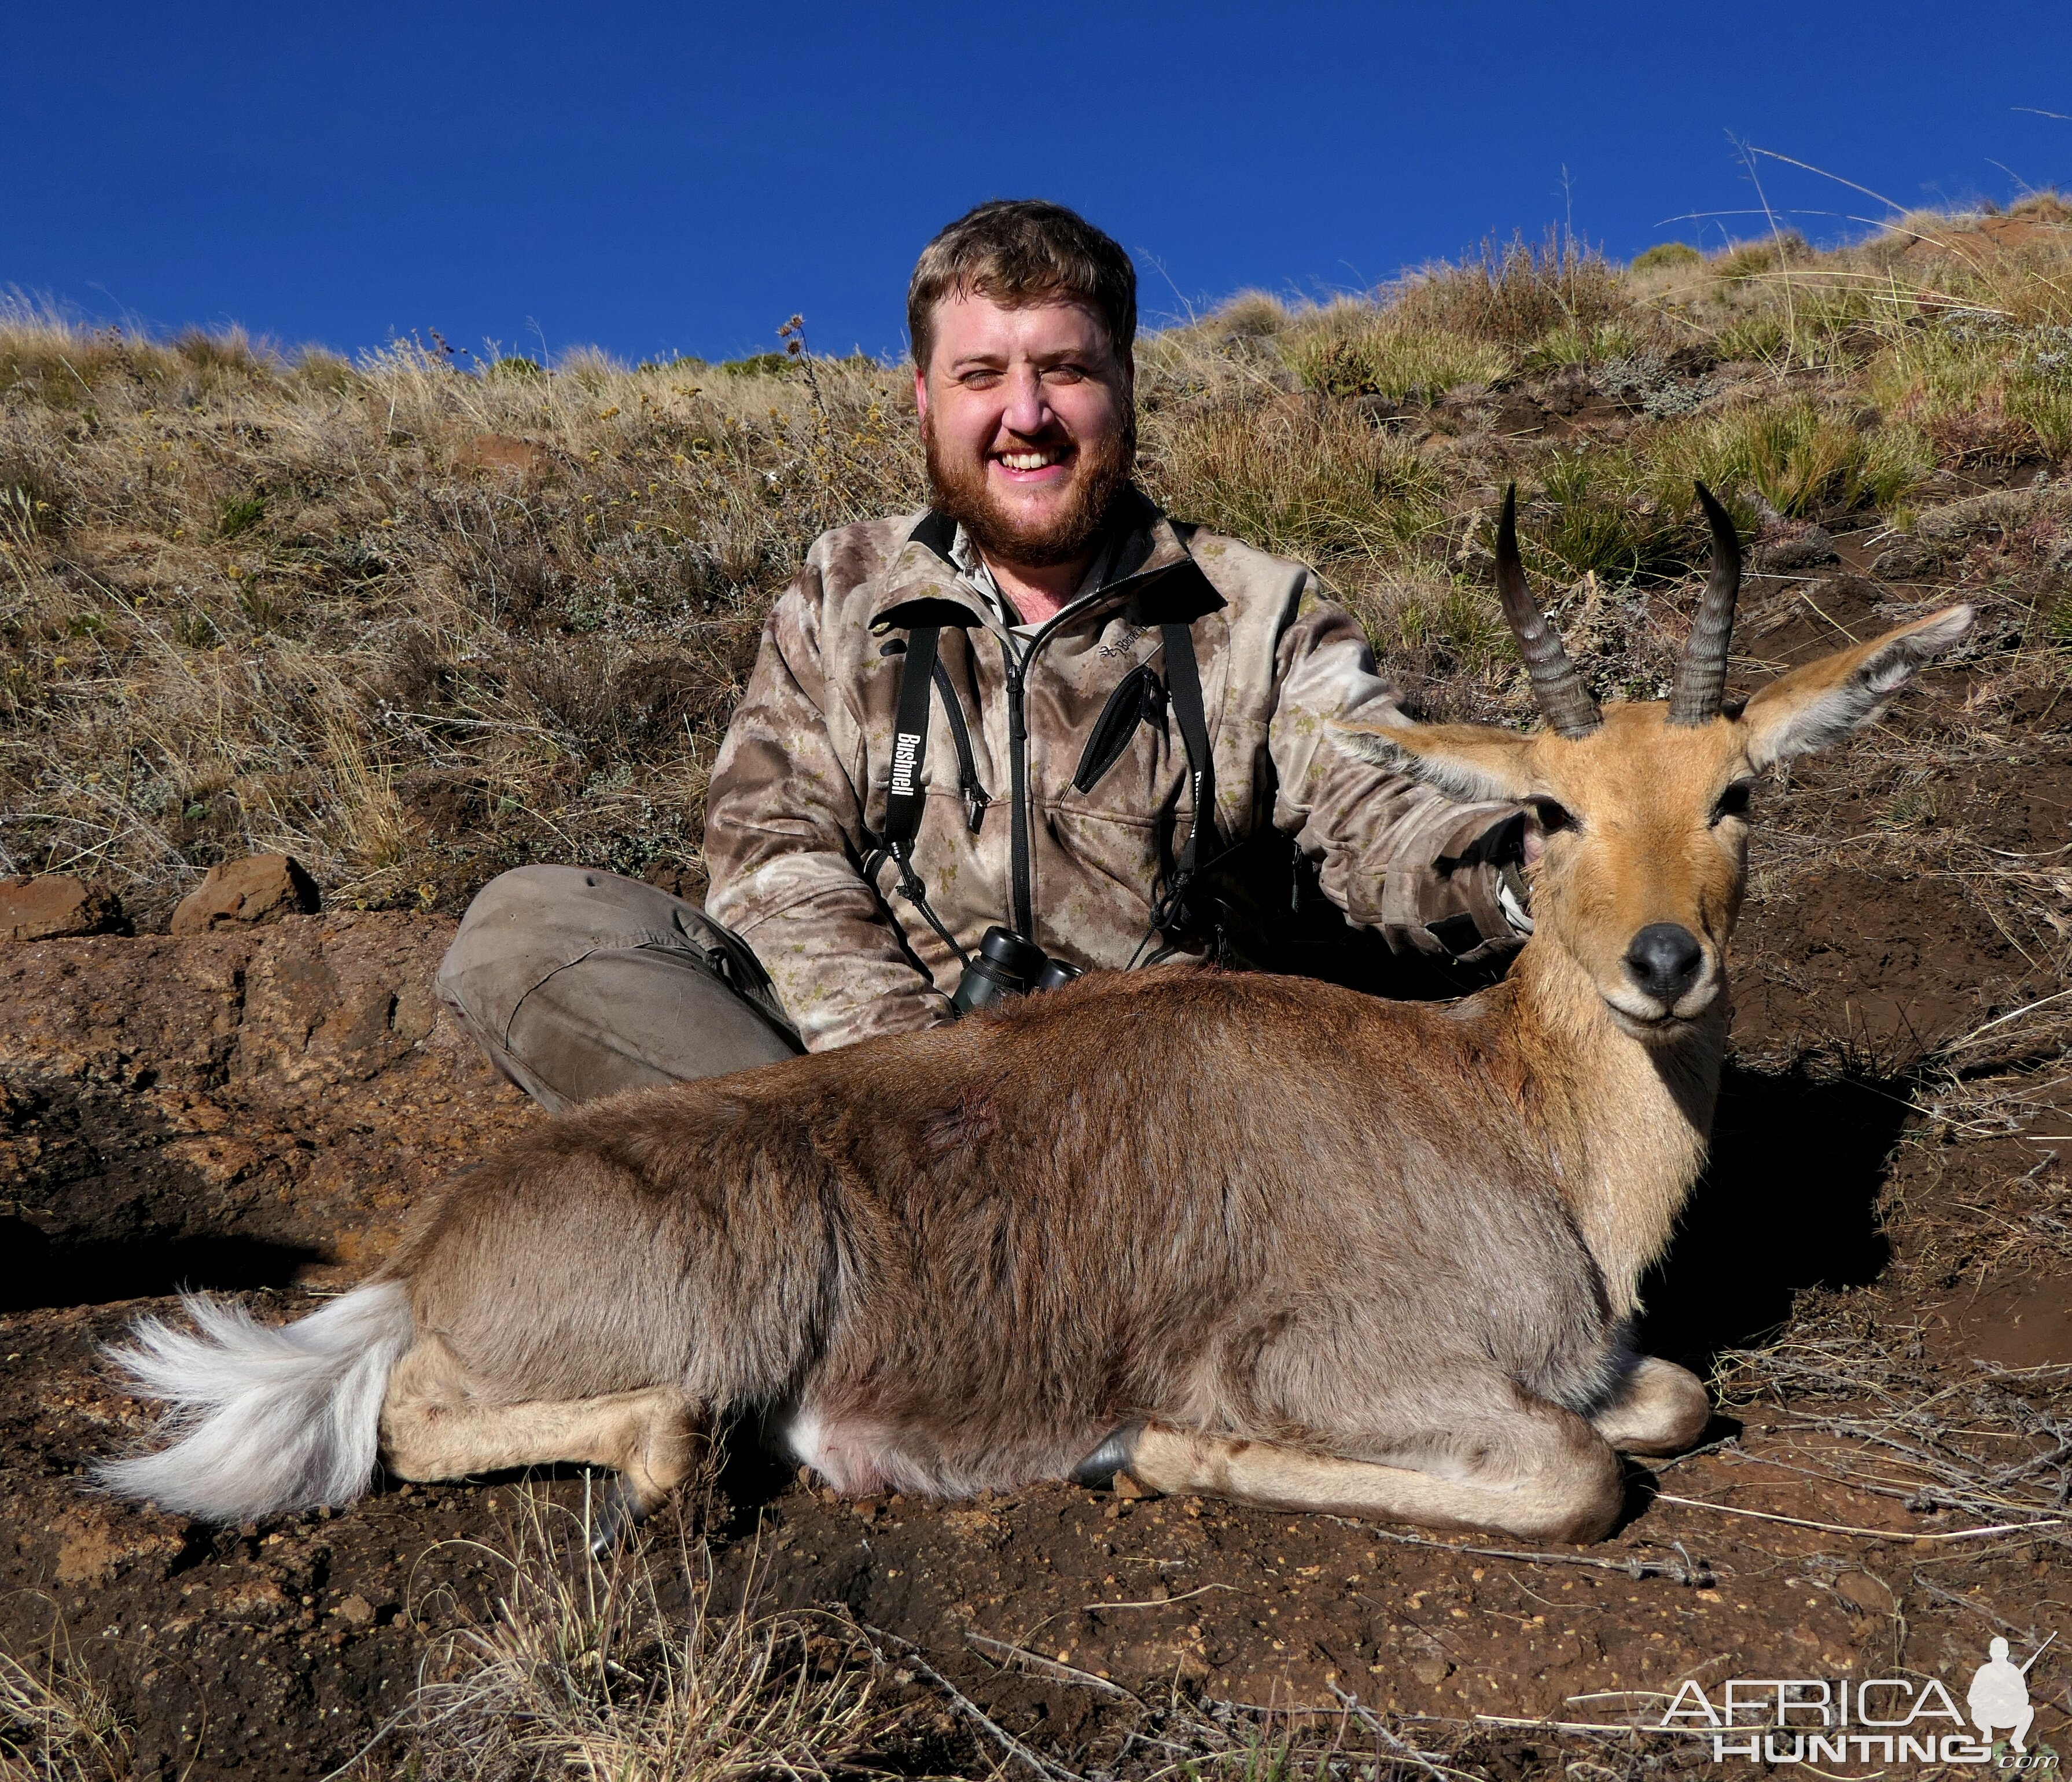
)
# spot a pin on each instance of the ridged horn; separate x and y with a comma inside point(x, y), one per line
point(1556, 684)
point(1701, 676)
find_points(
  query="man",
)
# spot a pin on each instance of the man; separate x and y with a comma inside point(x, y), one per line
point(1042, 705)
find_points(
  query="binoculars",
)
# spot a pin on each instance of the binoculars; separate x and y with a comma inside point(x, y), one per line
point(1008, 966)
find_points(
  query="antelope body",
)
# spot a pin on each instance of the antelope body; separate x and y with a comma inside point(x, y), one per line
point(1248, 1236)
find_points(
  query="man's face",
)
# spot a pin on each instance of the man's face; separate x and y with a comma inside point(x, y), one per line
point(1029, 419)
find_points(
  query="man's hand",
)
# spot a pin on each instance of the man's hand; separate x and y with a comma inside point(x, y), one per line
point(1477, 900)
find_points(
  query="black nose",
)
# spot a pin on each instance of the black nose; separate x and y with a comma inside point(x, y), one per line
point(1665, 960)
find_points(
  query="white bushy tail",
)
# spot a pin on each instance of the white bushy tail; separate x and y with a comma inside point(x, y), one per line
point(269, 1419)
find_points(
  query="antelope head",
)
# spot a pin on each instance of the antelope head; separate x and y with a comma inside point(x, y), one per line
point(1636, 853)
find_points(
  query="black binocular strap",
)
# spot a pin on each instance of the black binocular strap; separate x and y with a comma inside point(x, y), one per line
point(903, 793)
point(1183, 682)
point(905, 796)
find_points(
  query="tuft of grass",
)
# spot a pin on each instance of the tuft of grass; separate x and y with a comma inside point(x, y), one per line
point(1404, 365)
point(1572, 346)
point(1804, 460)
point(1756, 338)
point(239, 514)
point(1745, 260)
point(1514, 293)
point(1316, 483)
point(57, 1724)
point(1595, 517)
point(587, 1672)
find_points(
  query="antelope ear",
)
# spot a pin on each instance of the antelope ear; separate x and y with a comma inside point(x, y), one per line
point(1468, 762)
point(1822, 703)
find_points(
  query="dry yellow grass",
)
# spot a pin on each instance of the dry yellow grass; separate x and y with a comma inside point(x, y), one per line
point(626, 1671)
point(57, 1724)
point(416, 623)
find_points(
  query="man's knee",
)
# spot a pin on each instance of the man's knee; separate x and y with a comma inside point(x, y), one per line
point(578, 983)
point(525, 923)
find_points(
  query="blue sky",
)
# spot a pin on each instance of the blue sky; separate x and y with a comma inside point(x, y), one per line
point(658, 179)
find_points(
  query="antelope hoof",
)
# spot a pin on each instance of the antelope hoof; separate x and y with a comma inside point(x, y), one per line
point(625, 1509)
point(1112, 1456)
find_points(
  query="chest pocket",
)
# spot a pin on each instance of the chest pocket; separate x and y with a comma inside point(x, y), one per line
point(1139, 698)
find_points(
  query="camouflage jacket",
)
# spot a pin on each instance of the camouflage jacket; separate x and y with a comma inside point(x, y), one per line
point(798, 796)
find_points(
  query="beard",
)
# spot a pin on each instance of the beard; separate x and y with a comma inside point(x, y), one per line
point(1100, 471)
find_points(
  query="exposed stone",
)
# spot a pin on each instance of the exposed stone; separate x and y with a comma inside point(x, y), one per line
point(259, 888)
point(232, 1108)
point(1792, 545)
point(50, 906)
point(518, 457)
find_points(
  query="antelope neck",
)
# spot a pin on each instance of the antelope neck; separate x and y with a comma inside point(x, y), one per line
point(1627, 1121)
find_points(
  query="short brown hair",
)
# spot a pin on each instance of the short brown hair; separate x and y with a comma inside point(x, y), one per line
point(1020, 251)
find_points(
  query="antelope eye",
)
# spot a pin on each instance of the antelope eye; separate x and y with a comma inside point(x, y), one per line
point(1553, 817)
point(1733, 802)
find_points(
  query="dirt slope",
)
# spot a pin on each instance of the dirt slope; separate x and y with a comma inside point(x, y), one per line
point(254, 1112)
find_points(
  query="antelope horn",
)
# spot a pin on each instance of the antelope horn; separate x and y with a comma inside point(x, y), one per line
point(1556, 684)
point(1701, 676)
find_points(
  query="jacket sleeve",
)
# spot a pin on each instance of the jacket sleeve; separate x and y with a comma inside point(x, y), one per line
point(1386, 841)
point(784, 844)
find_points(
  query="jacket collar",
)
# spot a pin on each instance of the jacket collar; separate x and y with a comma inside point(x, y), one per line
point(922, 585)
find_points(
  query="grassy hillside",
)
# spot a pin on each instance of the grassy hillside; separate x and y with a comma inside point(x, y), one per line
point(416, 623)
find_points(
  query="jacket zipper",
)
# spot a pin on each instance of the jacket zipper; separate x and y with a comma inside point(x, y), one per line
point(976, 797)
point(1017, 753)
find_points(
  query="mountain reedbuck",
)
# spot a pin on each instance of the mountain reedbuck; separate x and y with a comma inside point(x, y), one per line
point(1254, 1236)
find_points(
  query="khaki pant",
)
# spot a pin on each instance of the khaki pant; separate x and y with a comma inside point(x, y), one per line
point(579, 983)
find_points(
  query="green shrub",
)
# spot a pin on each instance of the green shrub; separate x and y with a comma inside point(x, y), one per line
point(1667, 253)
point(240, 514)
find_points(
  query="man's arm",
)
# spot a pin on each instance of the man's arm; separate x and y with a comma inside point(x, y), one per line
point(1395, 855)
point(783, 830)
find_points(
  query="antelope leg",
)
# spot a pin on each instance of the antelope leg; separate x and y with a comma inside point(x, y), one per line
point(1544, 1474)
point(1661, 1409)
point(433, 1428)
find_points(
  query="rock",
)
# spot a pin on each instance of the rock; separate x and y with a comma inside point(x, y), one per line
point(1904, 562)
point(355, 1611)
point(256, 888)
point(1796, 546)
point(1988, 235)
point(518, 457)
point(52, 906)
point(230, 1108)
point(1870, 1595)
